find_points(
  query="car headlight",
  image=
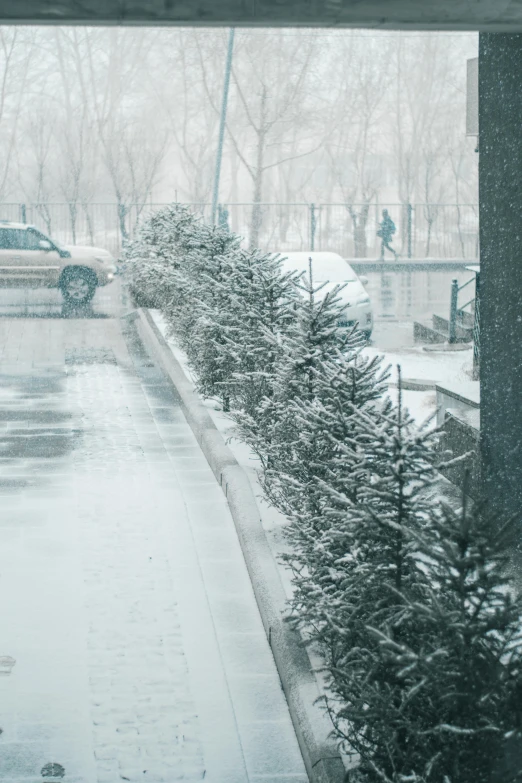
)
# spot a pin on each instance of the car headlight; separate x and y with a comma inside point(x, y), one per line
point(363, 300)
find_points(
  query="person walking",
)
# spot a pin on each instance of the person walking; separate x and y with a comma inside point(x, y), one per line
point(386, 232)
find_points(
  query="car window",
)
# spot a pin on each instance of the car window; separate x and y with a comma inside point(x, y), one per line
point(12, 238)
point(20, 239)
point(32, 240)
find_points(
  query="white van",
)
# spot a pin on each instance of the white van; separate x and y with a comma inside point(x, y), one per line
point(333, 269)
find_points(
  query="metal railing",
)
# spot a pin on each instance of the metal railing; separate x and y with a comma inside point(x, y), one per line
point(440, 231)
point(469, 319)
point(476, 330)
point(458, 314)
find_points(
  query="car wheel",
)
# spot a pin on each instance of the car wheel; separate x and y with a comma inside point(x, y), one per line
point(78, 287)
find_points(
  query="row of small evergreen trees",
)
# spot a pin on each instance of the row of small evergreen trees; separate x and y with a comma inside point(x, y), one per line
point(407, 598)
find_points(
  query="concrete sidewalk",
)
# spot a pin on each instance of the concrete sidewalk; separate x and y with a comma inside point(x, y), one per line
point(139, 650)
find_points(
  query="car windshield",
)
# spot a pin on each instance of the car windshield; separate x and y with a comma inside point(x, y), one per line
point(54, 242)
point(324, 269)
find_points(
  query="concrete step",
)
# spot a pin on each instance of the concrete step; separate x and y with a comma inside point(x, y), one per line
point(463, 333)
point(423, 333)
point(446, 347)
point(466, 318)
point(426, 334)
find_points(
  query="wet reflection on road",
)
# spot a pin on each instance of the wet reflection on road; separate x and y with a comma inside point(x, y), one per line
point(49, 303)
point(414, 294)
point(36, 431)
point(399, 297)
point(404, 295)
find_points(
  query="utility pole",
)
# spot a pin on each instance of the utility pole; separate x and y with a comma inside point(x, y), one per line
point(222, 123)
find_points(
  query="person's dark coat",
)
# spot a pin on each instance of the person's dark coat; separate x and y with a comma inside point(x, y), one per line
point(386, 229)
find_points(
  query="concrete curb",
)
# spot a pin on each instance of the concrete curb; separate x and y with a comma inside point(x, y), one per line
point(362, 265)
point(322, 759)
point(416, 384)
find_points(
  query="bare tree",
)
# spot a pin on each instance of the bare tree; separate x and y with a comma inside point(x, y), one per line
point(362, 79)
point(76, 130)
point(464, 172)
point(314, 116)
point(429, 73)
point(270, 80)
point(433, 160)
point(132, 146)
point(192, 121)
point(16, 60)
point(34, 168)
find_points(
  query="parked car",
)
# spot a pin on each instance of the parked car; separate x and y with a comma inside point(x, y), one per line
point(333, 270)
point(31, 259)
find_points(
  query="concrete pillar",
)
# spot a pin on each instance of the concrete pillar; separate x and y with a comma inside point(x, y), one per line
point(500, 193)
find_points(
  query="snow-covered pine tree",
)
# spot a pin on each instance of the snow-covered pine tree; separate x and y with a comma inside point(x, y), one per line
point(358, 571)
point(156, 252)
point(312, 336)
point(194, 314)
point(464, 670)
point(175, 263)
point(345, 382)
point(262, 298)
point(255, 310)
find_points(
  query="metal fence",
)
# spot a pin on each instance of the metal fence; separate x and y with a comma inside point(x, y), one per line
point(423, 230)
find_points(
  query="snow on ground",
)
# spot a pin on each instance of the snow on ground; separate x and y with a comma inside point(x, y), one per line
point(449, 369)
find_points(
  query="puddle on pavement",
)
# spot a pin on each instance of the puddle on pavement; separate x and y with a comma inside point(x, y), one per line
point(51, 311)
point(89, 356)
point(35, 434)
point(48, 303)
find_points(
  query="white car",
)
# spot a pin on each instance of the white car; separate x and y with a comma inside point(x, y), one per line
point(31, 259)
point(332, 269)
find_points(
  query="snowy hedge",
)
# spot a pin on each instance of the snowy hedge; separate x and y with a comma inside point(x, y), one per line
point(408, 600)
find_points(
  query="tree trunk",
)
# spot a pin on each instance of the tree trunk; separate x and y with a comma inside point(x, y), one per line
point(73, 213)
point(284, 223)
point(257, 212)
point(360, 220)
point(256, 220)
point(122, 214)
point(88, 218)
point(361, 246)
point(431, 216)
point(459, 232)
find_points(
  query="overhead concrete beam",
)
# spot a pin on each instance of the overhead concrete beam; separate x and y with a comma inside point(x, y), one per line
point(485, 15)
